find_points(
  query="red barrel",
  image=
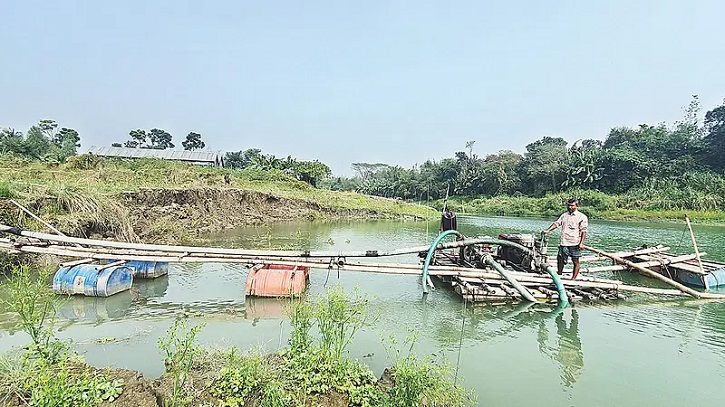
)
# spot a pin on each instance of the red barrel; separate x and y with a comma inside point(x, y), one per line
point(277, 280)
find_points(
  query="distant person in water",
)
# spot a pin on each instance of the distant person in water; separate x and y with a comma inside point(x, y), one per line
point(574, 226)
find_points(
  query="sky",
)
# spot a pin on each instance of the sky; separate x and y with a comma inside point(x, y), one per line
point(396, 82)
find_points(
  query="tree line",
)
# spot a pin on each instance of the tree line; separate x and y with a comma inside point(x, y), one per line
point(311, 172)
point(687, 154)
point(48, 142)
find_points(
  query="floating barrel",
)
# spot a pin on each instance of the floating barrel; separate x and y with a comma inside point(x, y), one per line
point(92, 280)
point(148, 269)
point(277, 280)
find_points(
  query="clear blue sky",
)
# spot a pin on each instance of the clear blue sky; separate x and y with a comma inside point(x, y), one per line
point(397, 82)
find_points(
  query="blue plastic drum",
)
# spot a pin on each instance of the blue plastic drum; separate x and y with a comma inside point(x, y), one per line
point(148, 269)
point(92, 280)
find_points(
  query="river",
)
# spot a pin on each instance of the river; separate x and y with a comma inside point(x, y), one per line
point(645, 350)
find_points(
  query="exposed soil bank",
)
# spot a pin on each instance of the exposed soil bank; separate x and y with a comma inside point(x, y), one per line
point(155, 212)
point(162, 215)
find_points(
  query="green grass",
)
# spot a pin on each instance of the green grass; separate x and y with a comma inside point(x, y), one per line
point(636, 205)
point(113, 176)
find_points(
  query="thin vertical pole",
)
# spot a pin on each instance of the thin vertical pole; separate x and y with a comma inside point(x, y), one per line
point(697, 252)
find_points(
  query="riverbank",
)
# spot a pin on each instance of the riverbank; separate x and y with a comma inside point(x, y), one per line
point(167, 202)
point(596, 205)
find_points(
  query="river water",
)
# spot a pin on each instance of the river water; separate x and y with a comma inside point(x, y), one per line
point(645, 350)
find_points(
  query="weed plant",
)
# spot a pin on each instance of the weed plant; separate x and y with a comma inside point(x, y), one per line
point(316, 364)
point(178, 345)
point(422, 380)
point(46, 373)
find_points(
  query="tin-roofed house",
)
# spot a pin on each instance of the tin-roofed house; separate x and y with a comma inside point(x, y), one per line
point(210, 158)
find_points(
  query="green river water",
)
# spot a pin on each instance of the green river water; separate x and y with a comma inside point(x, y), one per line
point(642, 351)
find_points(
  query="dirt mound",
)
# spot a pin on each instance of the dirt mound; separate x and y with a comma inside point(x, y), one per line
point(173, 214)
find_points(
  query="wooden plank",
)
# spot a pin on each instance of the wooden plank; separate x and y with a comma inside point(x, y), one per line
point(649, 250)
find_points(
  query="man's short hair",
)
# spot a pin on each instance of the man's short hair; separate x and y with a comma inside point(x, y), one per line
point(572, 201)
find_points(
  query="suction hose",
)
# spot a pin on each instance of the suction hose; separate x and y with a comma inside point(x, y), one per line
point(526, 294)
point(432, 250)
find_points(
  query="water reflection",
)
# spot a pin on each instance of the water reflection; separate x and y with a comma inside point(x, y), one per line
point(97, 310)
point(567, 349)
point(257, 308)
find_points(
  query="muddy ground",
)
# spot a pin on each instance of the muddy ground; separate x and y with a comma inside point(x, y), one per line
point(202, 211)
point(179, 215)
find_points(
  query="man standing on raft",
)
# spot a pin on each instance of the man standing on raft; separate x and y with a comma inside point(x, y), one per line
point(574, 226)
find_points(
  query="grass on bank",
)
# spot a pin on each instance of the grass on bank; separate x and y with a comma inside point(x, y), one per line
point(638, 204)
point(85, 192)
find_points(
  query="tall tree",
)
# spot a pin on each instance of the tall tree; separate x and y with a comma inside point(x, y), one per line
point(48, 127)
point(11, 141)
point(193, 142)
point(67, 138)
point(241, 159)
point(10, 132)
point(545, 164)
point(715, 138)
point(160, 139)
point(37, 144)
point(138, 139)
point(311, 172)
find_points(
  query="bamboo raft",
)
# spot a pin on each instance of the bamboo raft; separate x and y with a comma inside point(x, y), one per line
point(473, 267)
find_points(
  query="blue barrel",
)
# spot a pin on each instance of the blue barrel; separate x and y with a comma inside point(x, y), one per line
point(148, 269)
point(86, 279)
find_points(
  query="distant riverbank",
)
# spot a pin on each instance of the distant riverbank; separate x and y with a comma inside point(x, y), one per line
point(595, 204)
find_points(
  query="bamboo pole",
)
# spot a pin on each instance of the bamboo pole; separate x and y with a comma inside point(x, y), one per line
point(649, 250)
point(109, 265)
point(34, 216)
point(219, 250)
point(381, 268)
point(76, 263)
point(26, 210)
point(697, 252)
point(658, 276)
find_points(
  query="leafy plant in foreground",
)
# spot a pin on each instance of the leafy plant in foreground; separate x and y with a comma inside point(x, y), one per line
point(180, 352)
point(418, 381)
point(35, 304)
point(47, 374)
